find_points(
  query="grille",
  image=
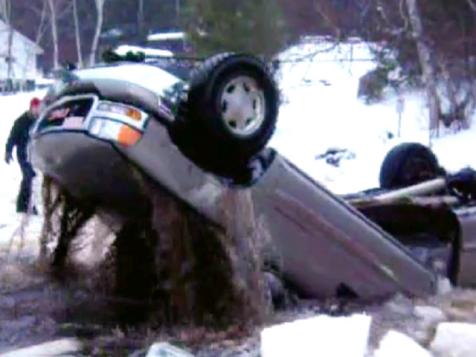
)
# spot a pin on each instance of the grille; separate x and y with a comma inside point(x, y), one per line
point(59, 115)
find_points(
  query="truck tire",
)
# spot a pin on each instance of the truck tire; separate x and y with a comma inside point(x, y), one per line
point(408, 164)
point(229, 115)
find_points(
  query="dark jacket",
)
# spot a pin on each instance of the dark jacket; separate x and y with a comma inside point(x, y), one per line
point(20, 135)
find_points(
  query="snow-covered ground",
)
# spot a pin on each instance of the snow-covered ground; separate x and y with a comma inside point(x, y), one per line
point(319, 84)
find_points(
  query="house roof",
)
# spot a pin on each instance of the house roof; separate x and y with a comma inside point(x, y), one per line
point(4, 26)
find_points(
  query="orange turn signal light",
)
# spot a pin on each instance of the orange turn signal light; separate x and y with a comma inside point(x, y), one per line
point(134, 114)
point(128, 136)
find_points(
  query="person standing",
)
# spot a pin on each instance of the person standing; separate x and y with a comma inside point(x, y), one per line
point(19, 138)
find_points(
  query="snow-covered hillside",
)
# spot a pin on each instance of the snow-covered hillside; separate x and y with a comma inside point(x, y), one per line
point(321, 111)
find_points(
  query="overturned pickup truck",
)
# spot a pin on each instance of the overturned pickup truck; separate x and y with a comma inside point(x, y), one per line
point(201, 136)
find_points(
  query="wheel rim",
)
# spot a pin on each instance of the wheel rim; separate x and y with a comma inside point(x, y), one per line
point(242, 106)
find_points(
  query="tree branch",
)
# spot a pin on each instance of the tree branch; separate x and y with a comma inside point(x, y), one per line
point(472, 4)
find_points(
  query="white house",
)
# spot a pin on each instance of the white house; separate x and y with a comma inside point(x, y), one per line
point(24, 53)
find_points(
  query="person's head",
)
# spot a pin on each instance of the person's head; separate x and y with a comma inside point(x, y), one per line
point(35, 107)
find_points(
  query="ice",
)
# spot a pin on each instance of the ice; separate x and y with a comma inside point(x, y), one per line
point(430, 314)
point(454, 339)
point(56, 348)
point(164, 349)
point(318, 336)
point(397, 344)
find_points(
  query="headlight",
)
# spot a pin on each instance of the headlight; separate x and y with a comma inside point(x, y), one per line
point(114, 131)
point(124, 110)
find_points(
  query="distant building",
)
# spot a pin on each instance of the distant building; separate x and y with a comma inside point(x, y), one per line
point(18, 65)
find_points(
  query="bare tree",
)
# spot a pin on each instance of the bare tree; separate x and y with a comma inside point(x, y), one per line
point(97, 33)
point(472, 4)
point(425, 58)
point(6, 11)
point(54, 32)
point(178, 11)
point(40, 32)
point(77, 34)
point(141, 21)
point(43, 23)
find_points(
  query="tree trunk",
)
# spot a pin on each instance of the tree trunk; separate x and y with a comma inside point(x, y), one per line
point(10, 52)
point(54, 33)
point(142, 36)
point(172, 262)
point(457, 110)
point(207, 274)
point(5, 9)
point(64, 217)
point(425, 57)
point(42, 25)
point(77, 34)
point(177, 12)
point(97, 32)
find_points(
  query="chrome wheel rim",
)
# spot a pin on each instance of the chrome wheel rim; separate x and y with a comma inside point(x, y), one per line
point(242, 106)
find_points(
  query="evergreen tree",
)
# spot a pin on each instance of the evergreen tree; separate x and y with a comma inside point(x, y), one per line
point(240, 26)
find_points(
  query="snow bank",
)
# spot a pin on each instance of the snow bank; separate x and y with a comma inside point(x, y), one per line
point(318, 336)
